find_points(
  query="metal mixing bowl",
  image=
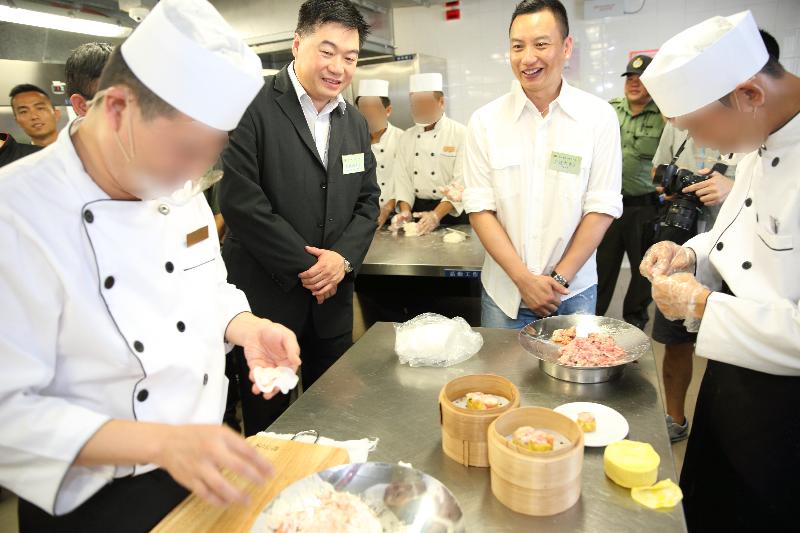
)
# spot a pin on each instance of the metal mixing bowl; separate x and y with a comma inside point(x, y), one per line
point(419, 501)
point(535, 339)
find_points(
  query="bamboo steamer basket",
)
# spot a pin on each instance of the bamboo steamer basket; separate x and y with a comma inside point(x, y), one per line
point(464, 430)
point(535, 483)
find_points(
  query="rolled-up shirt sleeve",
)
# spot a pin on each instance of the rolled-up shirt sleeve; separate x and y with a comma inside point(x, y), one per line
point(604, 190)
point(42, 434)
point(478, 190)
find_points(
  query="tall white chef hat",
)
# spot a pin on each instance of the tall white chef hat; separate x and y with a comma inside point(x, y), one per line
point(704, 63)
point(373, 88)
point(187, 54)
point(429, 81)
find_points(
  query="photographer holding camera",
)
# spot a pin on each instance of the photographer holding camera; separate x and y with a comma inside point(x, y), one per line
point(691, 206)
point(737, 285)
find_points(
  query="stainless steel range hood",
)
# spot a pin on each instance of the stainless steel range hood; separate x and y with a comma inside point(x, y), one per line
point(268, 26)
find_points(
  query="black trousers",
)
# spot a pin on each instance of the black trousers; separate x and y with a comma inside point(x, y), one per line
point(421, 205)
point(318, 356)
point(126, 505)
point(631, 234)
point(743, 457)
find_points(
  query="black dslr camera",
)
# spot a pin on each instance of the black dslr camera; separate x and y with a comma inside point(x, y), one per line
point(685, 207)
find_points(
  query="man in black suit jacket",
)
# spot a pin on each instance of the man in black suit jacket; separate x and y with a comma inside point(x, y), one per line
point(300, 197)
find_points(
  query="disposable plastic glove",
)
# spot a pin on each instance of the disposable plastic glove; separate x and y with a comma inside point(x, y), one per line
point(666, 258)
point(681, 297)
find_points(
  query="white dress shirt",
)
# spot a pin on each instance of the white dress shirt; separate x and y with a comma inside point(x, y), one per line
point(428, 162)
point(754, 247)
point(385, 150)
point(509, 168)
point(319, 122)
point(109, 311)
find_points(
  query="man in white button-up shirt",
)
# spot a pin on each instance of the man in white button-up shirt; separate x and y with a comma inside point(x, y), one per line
point(319, 122)
point(542, 174)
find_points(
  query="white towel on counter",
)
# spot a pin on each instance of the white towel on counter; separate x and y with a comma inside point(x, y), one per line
point(358, 450)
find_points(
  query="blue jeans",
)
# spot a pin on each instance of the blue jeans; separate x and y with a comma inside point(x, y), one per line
point(493, 317)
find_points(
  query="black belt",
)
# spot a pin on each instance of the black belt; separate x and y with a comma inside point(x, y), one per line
point(126, 505)
point(641, 200)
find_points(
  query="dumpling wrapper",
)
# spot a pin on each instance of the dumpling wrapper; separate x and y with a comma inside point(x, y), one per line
point(282, 377)
point(663, 495)
point(452, 237)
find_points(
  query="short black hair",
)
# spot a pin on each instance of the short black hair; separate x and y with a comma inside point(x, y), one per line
point(771, 68)
point(773, 48)
point(314, 13)
point(84, 66)
point(28, 88)
point(117, 72)
point(526, 7)
point(384, 100)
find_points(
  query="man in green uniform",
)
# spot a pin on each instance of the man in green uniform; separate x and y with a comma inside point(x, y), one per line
point(641, 125)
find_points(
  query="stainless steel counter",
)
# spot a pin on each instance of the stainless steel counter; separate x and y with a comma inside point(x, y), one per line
point(398, 255)
point(368, 393)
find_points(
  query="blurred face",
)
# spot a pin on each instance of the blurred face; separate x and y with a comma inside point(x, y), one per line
point(426, 107)
point(325, 60)
point(153, 157)
point(538, 52)
point(738, 127)
point(36, 115)
point(635, 91)
point(377, 116)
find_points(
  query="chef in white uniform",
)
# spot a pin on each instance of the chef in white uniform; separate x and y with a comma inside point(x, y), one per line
point(429, 160)
point(739, 282)
point(115, 307)
point(373, 102)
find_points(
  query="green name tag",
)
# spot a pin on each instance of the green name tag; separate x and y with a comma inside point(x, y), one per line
point(352, 163)
point(561, 162)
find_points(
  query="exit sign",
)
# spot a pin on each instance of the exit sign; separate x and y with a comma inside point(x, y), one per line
point(452, 10)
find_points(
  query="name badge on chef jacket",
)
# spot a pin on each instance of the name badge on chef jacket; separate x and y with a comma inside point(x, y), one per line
point(352, 163)
point(561, 162)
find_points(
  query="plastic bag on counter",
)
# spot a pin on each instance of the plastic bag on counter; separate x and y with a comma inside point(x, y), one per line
point(435, 340)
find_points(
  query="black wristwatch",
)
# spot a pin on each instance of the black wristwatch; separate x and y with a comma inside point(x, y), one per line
point(560, 279)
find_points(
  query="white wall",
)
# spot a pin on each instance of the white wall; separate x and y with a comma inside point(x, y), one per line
point(476, 47)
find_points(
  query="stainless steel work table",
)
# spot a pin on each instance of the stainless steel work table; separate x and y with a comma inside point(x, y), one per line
point(398, 255)
point(367, 393)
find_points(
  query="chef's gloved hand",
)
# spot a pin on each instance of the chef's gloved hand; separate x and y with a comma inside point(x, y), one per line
point(666, 258)
point(427, 222)
point(681, 297)
point(399, 219)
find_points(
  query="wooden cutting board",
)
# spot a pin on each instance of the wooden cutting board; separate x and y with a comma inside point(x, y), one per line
point(292, 460)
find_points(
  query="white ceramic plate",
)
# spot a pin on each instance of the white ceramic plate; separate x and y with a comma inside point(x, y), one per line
point(611, 426)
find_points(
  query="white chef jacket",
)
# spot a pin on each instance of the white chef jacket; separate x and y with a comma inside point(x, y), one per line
point(106, 313)
point(385, 150)
point(319, 122)
point(428, 161)
point(507, 169)
point(754, 247)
